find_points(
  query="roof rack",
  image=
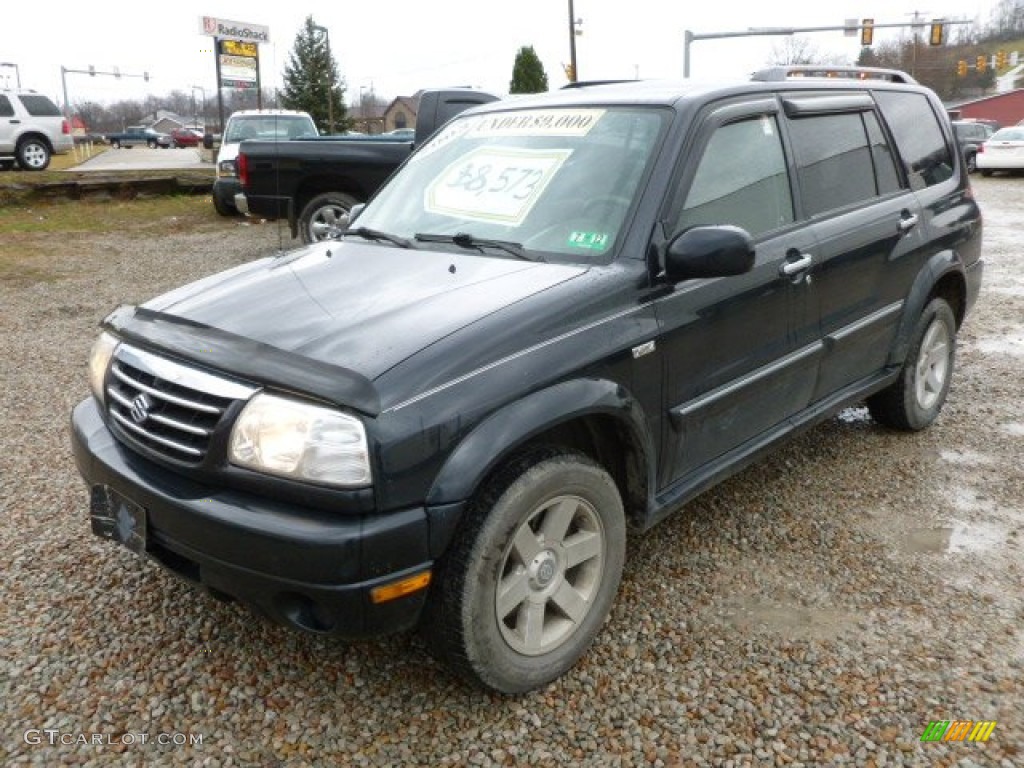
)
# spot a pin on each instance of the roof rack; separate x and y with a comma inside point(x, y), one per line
point(585, 83)
point(796, 71)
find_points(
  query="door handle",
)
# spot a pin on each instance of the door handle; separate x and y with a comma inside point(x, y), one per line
point(791, 268)
point(907, 223)
point(15, 122)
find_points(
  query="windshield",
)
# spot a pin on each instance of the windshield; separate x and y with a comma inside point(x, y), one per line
point(272, 127)
point(556, 181)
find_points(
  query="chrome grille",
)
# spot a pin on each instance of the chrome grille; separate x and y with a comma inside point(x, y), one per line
point(168, 408)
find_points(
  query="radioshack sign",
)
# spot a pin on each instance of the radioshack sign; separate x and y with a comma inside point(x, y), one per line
point(234, 30)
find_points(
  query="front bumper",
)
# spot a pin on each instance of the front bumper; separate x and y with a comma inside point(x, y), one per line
point(307, 568)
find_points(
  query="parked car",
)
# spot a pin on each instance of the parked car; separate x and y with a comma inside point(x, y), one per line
point(137, 136)
point(1002, 151)
point(565, 316)
point(266, 124)
point(186, 137)
point(970, 135)
point(32, 130)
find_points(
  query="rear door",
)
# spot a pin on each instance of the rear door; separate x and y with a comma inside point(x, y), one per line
point(735, 366)
point(868, 226)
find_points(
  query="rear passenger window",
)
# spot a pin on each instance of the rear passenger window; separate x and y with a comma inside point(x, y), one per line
point(841, 160)
point(39, 106)
point(741, 180)
point(918, 137)
point(6, 110)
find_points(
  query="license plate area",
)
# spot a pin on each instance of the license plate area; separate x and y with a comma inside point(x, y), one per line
point(118, 518)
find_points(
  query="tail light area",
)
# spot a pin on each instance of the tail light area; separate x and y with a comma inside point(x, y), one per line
point(243, 170)
point(65, 128)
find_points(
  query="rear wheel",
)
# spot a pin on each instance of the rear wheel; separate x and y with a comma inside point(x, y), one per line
point(914, 400)
point(151, 144)
point(115, 144)
point(986, 172)
point(325, 217)
point(531, 575)
point(222, 207)
point(972, 163)
point(33, 154)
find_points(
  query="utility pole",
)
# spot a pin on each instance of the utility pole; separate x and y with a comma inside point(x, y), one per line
point(573, 74)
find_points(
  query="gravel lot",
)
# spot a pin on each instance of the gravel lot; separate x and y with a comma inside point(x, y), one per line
point(818, 609)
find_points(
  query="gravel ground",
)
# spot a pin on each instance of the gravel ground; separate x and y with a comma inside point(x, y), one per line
point(818, 609)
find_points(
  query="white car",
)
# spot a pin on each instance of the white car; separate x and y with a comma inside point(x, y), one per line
point(1003, 151)
point(32, 130)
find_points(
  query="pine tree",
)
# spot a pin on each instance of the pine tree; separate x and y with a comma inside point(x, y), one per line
point(528, 74)
point(308, 76)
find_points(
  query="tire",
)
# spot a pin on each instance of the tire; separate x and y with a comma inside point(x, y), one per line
point(521, 530)
point(115, 144)
point(972, 163)
point(151, 144)
point(986, 172)
point(222, 207)
point(33, 154)
point(325, 216)
point(914, 400)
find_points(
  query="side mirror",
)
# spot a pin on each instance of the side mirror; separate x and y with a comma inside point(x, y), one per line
point(354, 212)
point(709, 252)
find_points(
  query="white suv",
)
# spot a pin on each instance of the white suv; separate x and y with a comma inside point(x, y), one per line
point(32, 129)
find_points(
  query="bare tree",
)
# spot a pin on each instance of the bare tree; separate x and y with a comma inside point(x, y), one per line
point(800, 50)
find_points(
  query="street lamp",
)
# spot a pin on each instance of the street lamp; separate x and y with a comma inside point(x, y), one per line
point(572, 44)
point(330, 78)
point(17, 72)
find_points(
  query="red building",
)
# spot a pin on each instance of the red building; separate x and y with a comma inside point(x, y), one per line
point(1005, 108)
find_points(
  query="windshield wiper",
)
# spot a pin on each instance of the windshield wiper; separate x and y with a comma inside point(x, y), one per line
point(466, 240)
point(375, 234)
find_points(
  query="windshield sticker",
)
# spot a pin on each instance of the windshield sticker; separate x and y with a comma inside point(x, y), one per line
point(499, 184)
point(591, 241)
point(534, 122)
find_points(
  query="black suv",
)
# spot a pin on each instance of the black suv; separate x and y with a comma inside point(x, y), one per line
point(565, 316)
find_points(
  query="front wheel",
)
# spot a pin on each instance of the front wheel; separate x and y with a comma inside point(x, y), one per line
point(151, 144)
point(115, 144)
point(972, 163)
point(325, 217)
point(914, 400)
point(33, 155)
point(531, 575)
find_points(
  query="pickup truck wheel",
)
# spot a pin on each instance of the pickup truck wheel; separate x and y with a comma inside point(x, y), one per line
point(531, 575)
point(222, 207)
point(33, 154)
point(151, 144)
point(325, 216)
point(914, 400)
point(115, 144)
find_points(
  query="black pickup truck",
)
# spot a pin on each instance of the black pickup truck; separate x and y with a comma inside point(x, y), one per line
point(314, 182)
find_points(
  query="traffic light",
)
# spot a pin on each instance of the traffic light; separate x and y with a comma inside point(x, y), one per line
point(935, 33)
point(961, 68)
point(1000, 59)
point(867, 31)
point(981, 64)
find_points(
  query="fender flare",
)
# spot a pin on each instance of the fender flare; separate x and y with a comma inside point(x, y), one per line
point(935, 269)
point(516, 423)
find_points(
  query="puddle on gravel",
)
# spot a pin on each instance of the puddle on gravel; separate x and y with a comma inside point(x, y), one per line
point(1014, 428)
point(794, 622)
point(1008, 344)
point(966, 458)
point(960, 538)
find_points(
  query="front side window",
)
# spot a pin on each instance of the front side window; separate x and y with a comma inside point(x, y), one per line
point(556, 182)
point(741, 180)
point(918, 136)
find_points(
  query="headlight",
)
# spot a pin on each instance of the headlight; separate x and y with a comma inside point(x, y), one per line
point(99, 361)
point(301, 441)
point(226, 168)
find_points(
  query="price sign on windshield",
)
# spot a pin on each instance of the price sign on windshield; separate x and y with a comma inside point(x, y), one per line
point(500, 184)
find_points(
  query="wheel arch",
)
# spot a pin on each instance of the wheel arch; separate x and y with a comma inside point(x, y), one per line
point(28, 135)
point(597, 418)
point(943, 276)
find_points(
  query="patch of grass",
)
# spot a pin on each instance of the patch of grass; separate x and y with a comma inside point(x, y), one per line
point(63, 217)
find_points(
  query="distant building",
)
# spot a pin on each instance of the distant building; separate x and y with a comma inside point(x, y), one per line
point(165, 122)
point(401, 113)
point(1005, 108)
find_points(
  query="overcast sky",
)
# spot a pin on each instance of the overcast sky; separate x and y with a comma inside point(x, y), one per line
point(397, 47)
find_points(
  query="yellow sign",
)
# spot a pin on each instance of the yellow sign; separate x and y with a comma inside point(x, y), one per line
point(238, 48)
